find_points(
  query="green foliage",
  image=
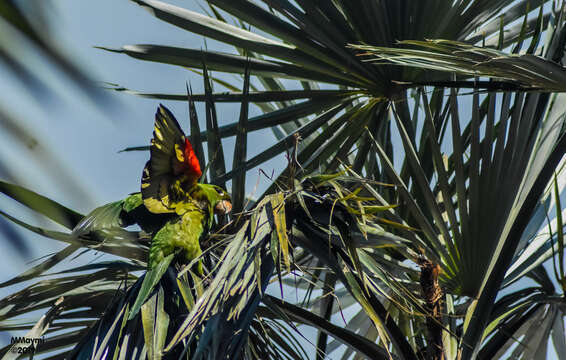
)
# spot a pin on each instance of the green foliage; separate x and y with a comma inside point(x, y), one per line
point(390, 164)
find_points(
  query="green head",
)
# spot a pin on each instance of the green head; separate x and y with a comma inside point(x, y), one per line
point(216, 199)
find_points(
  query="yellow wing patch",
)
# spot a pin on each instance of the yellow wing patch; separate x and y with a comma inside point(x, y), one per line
point(179, 152)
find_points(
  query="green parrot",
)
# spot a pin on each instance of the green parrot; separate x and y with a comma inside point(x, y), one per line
point(173, 208)
point(170, 186)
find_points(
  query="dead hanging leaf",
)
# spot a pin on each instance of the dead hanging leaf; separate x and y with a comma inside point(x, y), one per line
point(396, 224)
point(372, 209)
point(278, 205)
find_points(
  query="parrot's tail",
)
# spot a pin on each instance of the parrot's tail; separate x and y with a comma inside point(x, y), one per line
point(118, 333)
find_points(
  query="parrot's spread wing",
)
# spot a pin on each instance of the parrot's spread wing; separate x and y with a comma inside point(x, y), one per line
point(109, 217)
point(173, 167)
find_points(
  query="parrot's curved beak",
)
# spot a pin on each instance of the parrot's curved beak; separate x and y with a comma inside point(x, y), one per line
point(223, 207)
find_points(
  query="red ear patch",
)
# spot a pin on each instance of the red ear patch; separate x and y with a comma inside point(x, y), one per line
point(191, 161)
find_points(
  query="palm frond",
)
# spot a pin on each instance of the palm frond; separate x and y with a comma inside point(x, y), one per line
point(521, 72)
point(392, 171)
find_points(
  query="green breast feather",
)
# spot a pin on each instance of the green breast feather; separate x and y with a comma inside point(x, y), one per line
point(182, 232)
